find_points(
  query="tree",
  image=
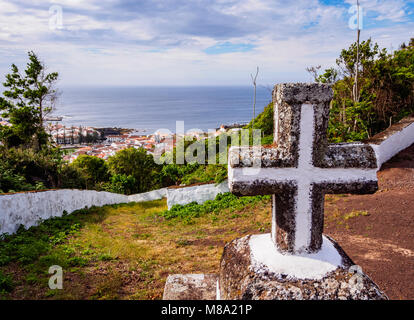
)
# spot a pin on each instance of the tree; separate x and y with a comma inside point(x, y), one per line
point(35, 166)
point(122, 184)
point(385, 90)
point(93, 170)
point(137, 164)
point(27, 100)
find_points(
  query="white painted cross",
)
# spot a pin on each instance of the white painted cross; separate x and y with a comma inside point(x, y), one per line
point(302, 168)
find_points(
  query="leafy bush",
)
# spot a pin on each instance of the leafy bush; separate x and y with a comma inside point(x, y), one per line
point(120, 183)
point(138, 164)
point(93, 170)
point(222, 201)
point(264, 121)
point(216, 173)
point(385, 92)
point(25, 169)
point(6, 283)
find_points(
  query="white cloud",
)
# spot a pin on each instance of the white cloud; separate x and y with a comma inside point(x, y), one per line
point(107, 42)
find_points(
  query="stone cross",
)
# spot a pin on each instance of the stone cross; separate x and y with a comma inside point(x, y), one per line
point(301, 167)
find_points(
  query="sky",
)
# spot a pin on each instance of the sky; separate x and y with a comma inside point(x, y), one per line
point(192, 42)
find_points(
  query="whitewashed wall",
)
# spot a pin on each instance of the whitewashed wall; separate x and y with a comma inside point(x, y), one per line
point(29, 208)
point(392, 143)
point(200, 194)
point(148, 196)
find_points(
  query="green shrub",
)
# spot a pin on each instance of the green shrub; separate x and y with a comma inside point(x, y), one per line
point(137, 164)
point(120, 183)
point(6, 283)
point(26, 246)
point(93, 170)
point(222, 201)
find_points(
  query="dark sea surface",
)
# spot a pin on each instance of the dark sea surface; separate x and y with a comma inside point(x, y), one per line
point(153, 108)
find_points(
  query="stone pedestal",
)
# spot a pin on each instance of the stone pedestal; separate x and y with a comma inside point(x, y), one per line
point(296, 261)
point(252, 270)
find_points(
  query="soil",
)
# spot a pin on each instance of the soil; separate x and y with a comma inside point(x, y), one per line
point(379, 235)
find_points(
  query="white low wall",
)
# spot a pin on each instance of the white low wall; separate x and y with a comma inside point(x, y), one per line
point(148, 196)
point(393, 141)
point(200, 194)
point(29, 208)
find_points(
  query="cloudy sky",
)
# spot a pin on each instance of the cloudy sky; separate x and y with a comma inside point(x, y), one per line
point(191, 42)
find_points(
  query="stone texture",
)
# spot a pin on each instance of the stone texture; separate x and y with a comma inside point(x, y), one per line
point(348, 155)
point(303, 93)
point(301, 167)
point(191, 287)
point(241, 280)
point(395, 128)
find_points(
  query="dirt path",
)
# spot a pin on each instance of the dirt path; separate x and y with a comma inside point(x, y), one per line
point(377, 231)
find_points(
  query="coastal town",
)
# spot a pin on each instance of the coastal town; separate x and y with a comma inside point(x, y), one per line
point(106, 142)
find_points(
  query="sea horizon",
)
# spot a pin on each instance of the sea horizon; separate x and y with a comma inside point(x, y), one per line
point(150, 108)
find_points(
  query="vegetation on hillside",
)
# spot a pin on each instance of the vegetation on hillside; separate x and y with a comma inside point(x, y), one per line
point(120, 251)
point(28, 161)
point(222, 201)
point(385, 92)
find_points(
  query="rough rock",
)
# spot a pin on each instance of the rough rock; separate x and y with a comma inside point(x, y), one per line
point(241, 278)
point(191, 287)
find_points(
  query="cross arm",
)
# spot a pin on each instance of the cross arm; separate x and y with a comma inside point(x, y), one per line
point(343, 168)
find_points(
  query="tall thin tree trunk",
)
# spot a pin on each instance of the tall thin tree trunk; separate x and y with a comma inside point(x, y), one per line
point(254, 100)
point(356, 91)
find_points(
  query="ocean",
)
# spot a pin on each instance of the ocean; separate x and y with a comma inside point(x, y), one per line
point(148, 109)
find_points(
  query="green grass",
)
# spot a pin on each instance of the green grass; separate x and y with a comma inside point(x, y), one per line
point(125, 251)
point(223, 201)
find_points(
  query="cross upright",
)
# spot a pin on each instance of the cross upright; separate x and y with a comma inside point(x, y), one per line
point(301, 167)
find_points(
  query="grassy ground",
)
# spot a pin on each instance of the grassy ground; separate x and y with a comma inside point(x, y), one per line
point(120, 251)
point(127, 251)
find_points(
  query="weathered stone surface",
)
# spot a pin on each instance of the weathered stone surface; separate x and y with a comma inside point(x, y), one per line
point(301, 167)
point(191, 287)
point(241, 278)
point(348, 155)
point(303, 93)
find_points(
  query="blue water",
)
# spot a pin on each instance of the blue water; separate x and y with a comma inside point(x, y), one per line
point(153, 108)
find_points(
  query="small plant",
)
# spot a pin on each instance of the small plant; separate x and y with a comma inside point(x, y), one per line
point(223, 201)
point(355, 214)
point(105, 257)
point(6, 283)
